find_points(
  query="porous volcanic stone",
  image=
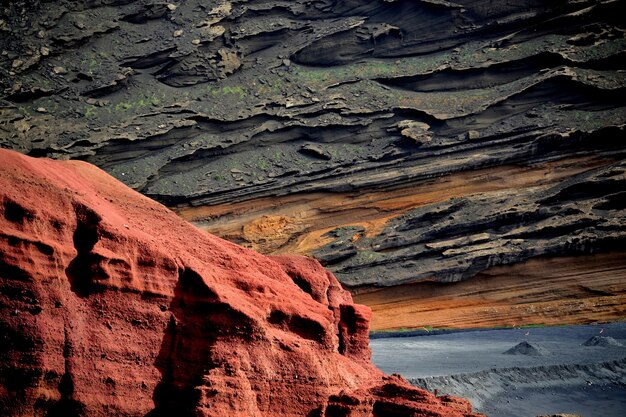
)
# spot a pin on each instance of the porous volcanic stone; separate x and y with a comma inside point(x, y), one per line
point(110, 304)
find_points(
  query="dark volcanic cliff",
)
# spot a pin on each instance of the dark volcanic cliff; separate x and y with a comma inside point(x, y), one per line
point(400, 142)
point(111, 305)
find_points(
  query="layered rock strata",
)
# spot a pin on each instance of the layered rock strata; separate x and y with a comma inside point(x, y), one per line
point(397, 141)
point(110, 304)
point(546, 290)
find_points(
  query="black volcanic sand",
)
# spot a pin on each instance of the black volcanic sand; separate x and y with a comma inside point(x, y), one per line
point(589, 401)
point(567, 378)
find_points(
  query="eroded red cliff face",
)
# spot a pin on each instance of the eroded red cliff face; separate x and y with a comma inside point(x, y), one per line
point(112, 305)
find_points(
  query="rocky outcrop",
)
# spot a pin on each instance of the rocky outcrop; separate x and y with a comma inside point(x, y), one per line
point(406, 141)
point(110, 304)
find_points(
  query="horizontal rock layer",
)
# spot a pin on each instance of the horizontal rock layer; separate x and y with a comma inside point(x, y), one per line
point(543, 290)
point(396, 141)
point(110, 304)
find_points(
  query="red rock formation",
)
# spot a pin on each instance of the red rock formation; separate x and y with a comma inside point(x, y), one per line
point(112, 305)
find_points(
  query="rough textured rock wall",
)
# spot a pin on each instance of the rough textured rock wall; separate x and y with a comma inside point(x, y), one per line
point(112, 305)
point(407, 140)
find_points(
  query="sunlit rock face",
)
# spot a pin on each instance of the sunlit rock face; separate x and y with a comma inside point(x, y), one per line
point(399, 142)
point(110, 304)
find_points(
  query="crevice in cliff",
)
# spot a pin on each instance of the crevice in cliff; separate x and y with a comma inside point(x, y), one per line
point(390, 409)
point(336, 410)
point(151, 59)
point(615, 201)
point(145, 12)
point(67, 406)
point(84, 269)
point(351, 325)
point(594, 291)
point(463, 79)
point(198, 320)
point(586, 190)
point(118, 150)
point(301, 326)
point(15, 213)
point(302, 283)
point(9, 271)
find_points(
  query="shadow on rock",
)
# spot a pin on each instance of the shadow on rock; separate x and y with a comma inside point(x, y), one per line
point(198, 319)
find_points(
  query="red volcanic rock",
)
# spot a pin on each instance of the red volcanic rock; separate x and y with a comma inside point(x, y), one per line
point(112, 305)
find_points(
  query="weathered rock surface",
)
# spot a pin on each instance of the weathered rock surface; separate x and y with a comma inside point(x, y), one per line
point(408, 141)
point(110, 304)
